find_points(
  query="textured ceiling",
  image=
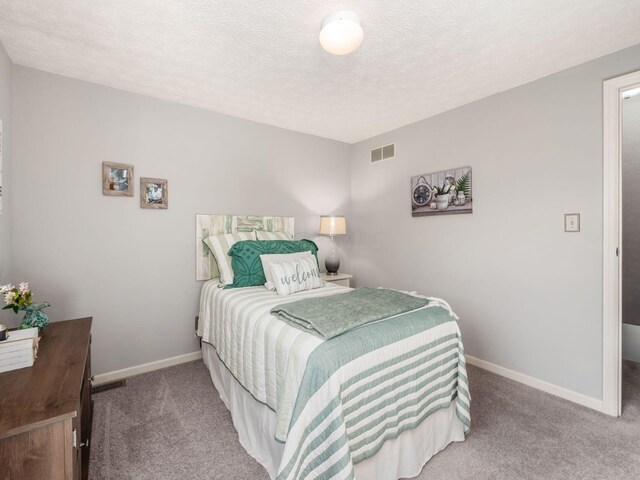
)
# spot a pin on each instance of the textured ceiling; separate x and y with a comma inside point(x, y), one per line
point(260, 59)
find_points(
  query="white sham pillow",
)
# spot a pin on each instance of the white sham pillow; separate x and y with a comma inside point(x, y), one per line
point(270, 258)
point(296, 276)
point(219, 245)
point(264, 235)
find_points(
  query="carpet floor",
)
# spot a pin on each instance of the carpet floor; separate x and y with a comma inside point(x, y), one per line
point(171, 424)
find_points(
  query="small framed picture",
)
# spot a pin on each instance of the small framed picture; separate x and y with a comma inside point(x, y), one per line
point(117, 179)
point(154, 193)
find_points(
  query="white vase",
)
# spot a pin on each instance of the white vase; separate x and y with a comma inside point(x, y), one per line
point(442, 201)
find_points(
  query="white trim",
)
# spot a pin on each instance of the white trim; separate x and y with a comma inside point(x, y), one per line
point(612, 241)
point(146, 367)
point(536, 383)
point(547, 387)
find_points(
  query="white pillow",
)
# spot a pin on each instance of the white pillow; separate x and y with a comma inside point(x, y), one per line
point(296, 276)
point(264, 235)
point(219, 245)
point(270, 258)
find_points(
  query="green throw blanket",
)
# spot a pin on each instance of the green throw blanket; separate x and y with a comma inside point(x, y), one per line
point(330, 316)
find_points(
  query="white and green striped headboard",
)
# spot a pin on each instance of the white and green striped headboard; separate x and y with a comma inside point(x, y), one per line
point(207, 225)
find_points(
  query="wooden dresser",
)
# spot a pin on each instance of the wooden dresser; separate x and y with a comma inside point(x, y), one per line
point(46, 410)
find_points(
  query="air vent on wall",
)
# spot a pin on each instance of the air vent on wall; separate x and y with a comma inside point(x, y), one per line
point(385, 152)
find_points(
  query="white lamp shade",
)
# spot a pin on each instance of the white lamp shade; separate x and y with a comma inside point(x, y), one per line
point(341, 33)
point(333, 225)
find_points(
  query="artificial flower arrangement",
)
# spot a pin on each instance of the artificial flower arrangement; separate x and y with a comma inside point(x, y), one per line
point(19, 299)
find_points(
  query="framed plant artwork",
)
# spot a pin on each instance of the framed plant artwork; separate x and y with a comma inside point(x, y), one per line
point(117, 179)
point(154, 193)
point(442, 193)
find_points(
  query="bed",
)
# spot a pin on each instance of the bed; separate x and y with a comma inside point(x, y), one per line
point(375, 402)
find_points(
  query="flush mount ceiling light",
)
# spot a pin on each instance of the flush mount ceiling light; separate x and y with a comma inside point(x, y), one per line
point(341, 33)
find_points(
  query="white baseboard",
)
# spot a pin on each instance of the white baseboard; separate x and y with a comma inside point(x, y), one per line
point(538, 384)
point(146, 367)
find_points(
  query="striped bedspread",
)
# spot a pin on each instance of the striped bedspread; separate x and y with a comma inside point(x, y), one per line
point(267, 356)
point(337, 401)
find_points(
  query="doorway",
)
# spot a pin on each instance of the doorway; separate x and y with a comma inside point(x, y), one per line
point(614, 93)
point(630, 168)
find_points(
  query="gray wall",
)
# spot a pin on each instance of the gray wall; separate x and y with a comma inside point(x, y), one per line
point(133, 270)
point(631, 342)
point(631, 228)
point(528, 294)
point(6, 69)
point(631, 210)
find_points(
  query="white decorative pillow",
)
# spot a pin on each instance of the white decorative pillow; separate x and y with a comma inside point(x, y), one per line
point(219, 245)
point(268, 259)
point(296, 276)
point(264, 235)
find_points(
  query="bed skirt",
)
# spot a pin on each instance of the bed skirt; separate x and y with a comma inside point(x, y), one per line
point(402, 457)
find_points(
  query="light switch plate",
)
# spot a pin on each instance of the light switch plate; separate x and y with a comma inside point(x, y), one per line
point(571, 222)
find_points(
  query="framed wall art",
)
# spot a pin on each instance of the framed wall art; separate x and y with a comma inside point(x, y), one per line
point(154, 193)
point(444, 192)
point(117, 179)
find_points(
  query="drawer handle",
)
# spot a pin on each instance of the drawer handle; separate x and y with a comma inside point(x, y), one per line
point(92, 378)
point(74, 440)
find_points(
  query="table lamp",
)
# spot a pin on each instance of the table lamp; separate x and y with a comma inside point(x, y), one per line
point(332, 225)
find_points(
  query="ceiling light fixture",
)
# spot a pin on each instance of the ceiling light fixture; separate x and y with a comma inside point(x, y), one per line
point(341, 33)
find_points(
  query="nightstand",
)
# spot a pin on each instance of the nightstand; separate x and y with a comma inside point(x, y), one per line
point(343, 279)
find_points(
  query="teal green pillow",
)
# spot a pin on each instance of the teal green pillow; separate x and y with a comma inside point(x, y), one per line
point(245, 258)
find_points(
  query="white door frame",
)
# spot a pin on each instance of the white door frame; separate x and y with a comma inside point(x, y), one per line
point(612, 238)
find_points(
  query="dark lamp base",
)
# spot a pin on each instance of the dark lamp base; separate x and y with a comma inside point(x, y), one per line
point(332, 265)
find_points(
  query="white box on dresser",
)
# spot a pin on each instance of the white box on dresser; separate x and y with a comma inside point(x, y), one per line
point(19, 350)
